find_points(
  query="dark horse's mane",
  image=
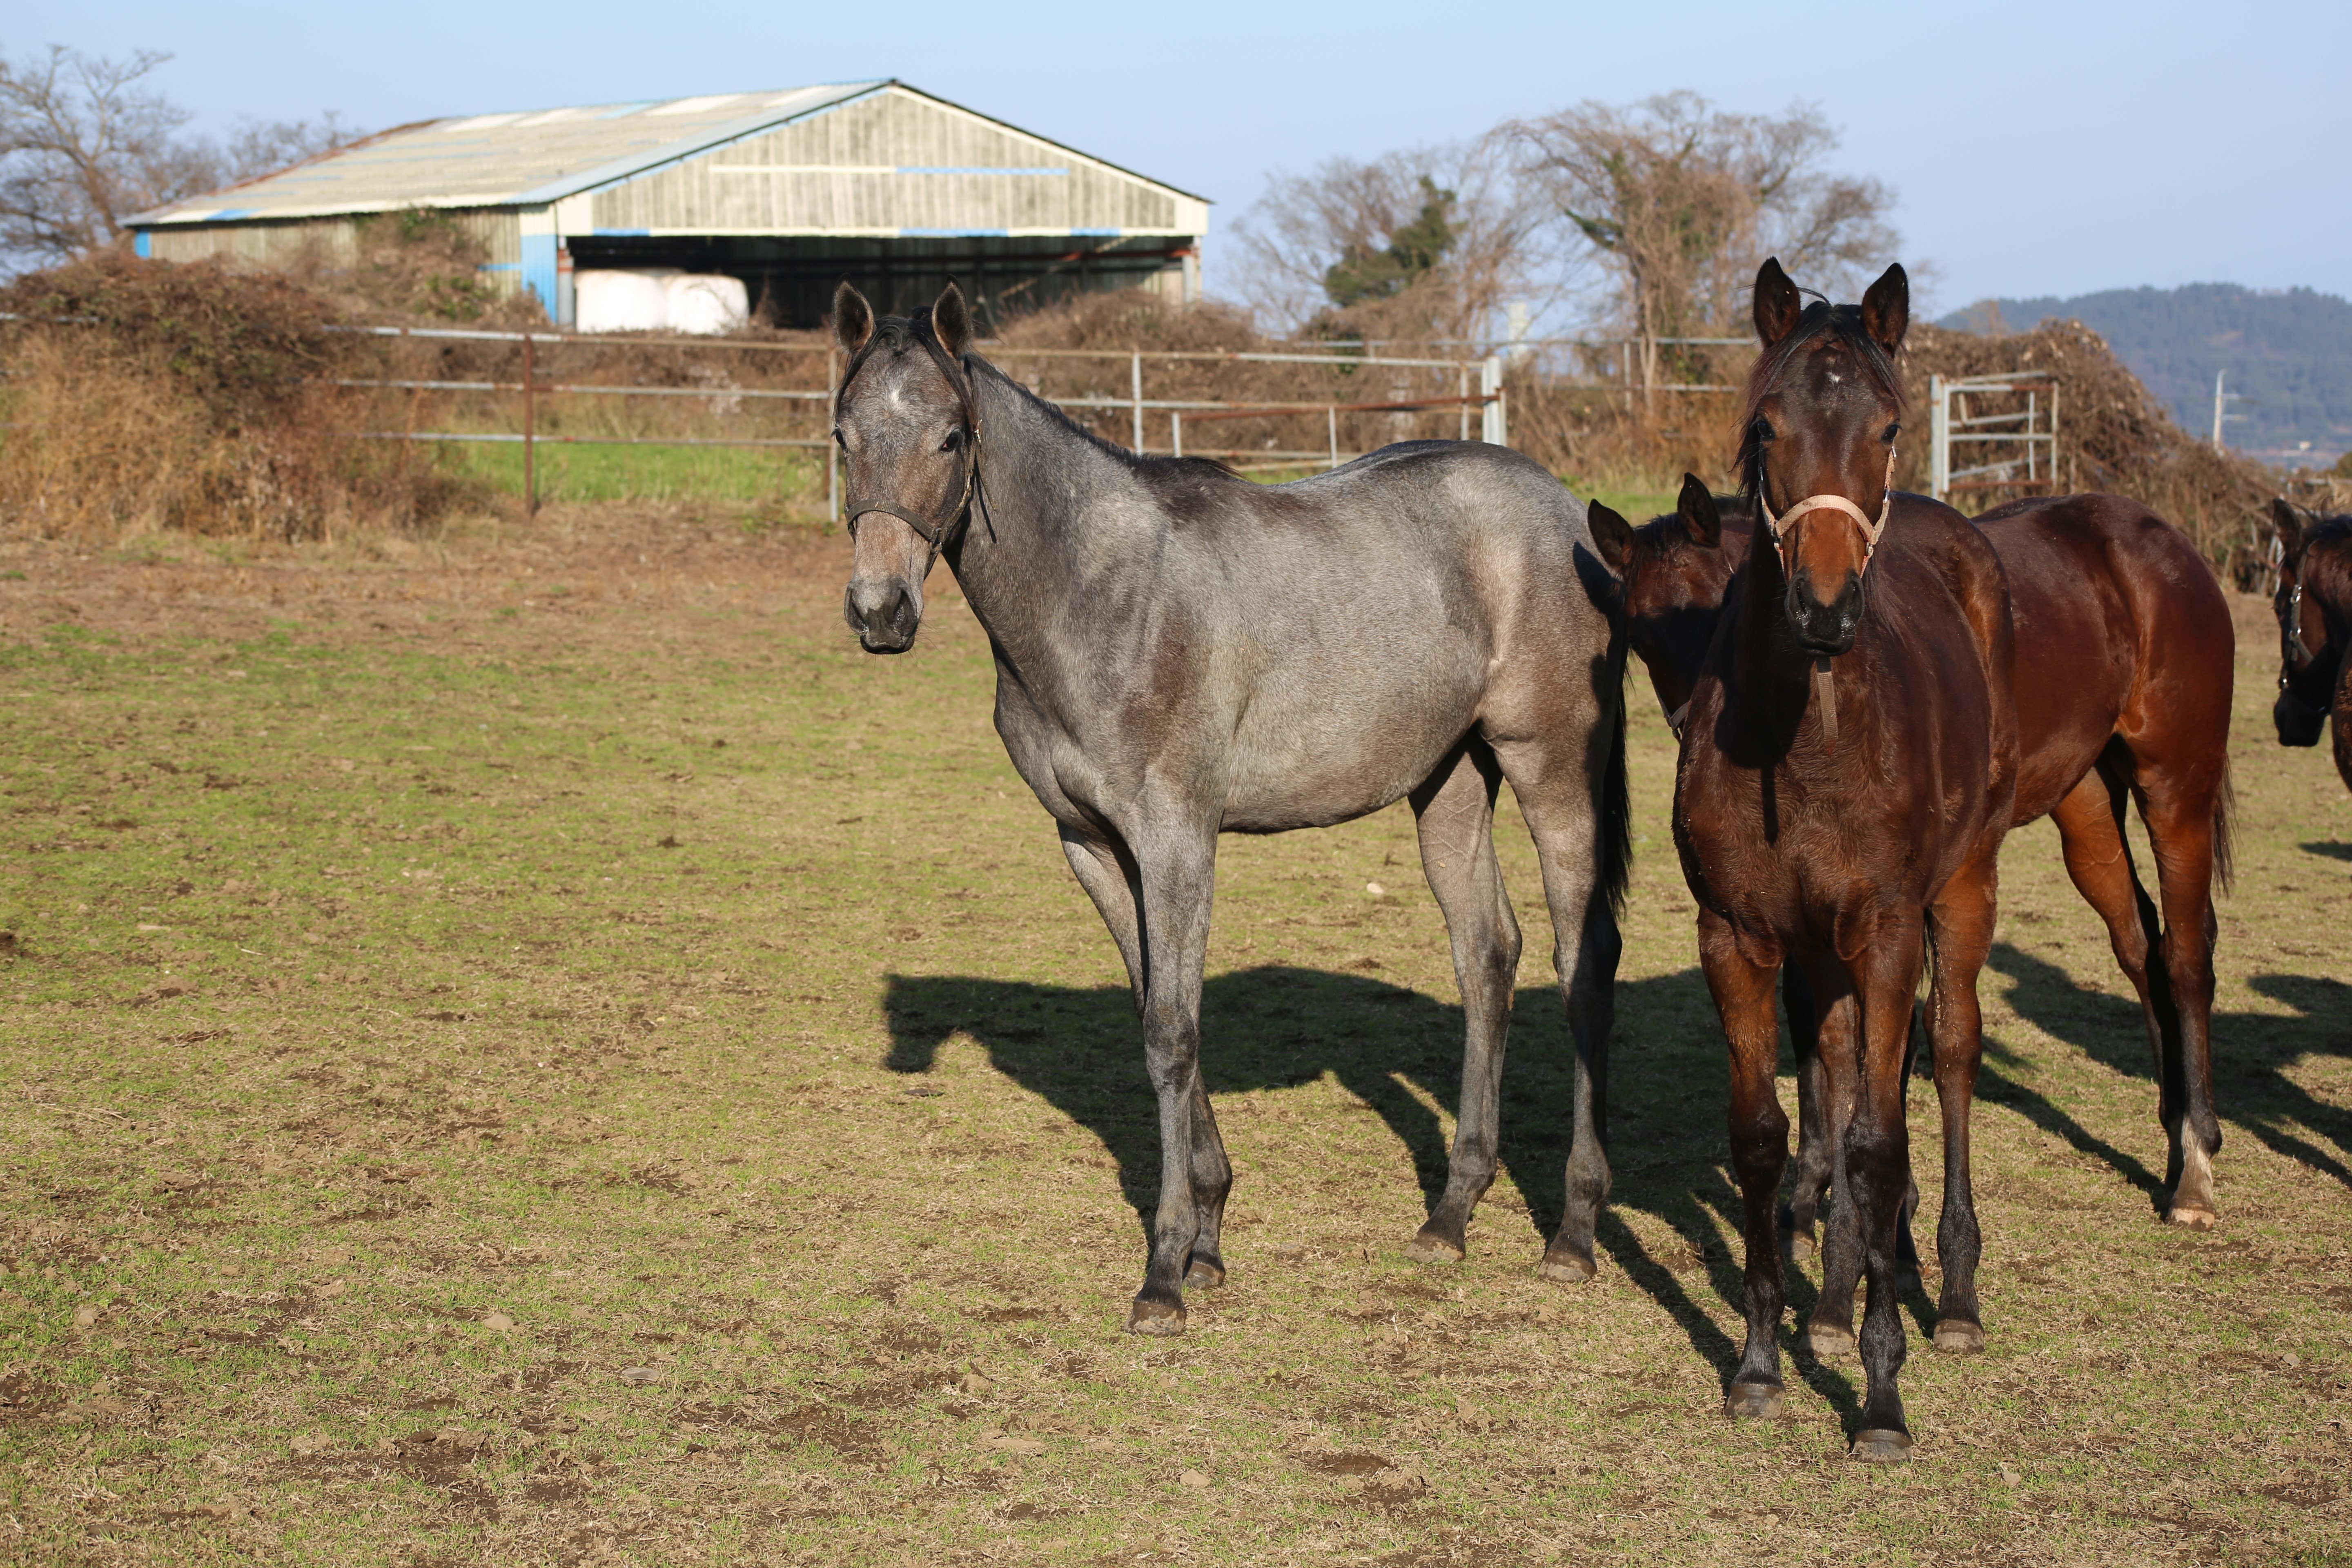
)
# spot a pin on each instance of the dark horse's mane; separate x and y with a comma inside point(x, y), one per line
point(899, 333)
point(1842, 321)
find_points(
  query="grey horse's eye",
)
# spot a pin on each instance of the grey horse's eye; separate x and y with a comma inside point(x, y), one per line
point(955, 441)
point(837, 438)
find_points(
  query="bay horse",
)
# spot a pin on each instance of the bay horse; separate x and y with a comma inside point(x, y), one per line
point(2105, 591)
point(2314, 606)
point(1849, 766)
point(1182, 653)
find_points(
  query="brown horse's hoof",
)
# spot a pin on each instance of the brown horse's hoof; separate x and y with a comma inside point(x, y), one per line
point(1428, 1246)
point(1881, 1446)
point(1155, 1317)
point(1566, 1266)
point(1828, 1342)
point(1959, 1336)
point(1753, 1402)
point(1204, 1274)
point(2191, 1216)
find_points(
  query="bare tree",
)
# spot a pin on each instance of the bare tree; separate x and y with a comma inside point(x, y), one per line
point(1426, 243)
point(85, 143)
point(1676, 201)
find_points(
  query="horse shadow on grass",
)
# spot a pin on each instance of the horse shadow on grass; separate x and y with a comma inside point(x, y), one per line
point(2252, 1052)
point(1395, 1051)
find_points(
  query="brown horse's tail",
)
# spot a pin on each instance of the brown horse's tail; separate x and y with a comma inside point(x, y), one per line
point(2225, 847)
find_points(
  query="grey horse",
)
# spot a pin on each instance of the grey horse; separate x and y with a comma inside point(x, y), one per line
point(1182, 653)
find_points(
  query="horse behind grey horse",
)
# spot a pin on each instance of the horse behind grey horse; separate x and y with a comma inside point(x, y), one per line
point(1182, 653)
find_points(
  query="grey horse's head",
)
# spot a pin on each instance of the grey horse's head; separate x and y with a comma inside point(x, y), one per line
point(905, 421)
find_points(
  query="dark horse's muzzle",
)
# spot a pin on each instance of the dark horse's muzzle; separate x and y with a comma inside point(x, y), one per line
point(1825, 629)
point(2299, 722)
point(883, 616)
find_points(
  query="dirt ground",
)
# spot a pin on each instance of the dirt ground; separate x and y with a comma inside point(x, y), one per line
point(528, 1047)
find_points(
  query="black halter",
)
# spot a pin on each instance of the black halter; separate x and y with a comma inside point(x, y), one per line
point(940, 532)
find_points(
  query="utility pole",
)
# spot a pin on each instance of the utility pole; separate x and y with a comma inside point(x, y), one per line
point(2222, 414)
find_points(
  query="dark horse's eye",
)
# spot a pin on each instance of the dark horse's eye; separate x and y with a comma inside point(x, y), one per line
point(1892, 431)
point(954, 441)
point(837, 440)
point(1761, 429)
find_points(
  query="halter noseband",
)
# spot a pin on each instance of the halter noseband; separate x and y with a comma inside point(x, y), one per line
point(1871, 528)
point(940, 531)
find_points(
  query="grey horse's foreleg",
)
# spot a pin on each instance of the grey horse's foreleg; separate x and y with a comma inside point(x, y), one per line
point(1110, 878)
point(1455, 811)
point(1178, 874)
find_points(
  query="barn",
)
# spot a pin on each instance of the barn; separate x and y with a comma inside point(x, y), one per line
point(783, 193)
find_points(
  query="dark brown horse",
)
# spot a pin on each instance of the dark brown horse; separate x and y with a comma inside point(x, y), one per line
point(2105, 591)
point(2315, 615)
point(1849, 766)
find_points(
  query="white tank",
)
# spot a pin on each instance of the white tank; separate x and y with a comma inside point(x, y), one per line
point(610, 299)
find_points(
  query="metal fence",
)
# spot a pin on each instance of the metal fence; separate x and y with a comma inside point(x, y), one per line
point(787, 404)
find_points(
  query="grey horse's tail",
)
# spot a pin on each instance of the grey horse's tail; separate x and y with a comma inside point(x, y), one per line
point(1616, 825)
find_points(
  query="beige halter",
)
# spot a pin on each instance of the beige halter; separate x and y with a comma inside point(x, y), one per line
point(1823, 690)
point(1871, 528)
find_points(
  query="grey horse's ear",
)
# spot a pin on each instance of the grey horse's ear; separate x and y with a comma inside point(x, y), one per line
point(1613, 536)
point(1777, 304)
point(1701, 519)
point(2288, 518)
point(1887, 307)
point(853, 317)
point(952, 322)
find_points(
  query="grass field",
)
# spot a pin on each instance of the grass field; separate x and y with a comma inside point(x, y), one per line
point(788, 483)
point(534, 1050)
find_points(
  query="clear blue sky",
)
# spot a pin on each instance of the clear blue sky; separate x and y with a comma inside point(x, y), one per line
point(2038, 149)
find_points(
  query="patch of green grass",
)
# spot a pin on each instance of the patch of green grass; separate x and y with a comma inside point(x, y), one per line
point(519, 1104)
point(782, 478)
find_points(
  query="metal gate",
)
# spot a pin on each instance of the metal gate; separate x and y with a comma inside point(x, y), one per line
point(2012, 446)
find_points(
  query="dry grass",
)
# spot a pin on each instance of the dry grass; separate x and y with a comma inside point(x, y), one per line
point(418, 1018)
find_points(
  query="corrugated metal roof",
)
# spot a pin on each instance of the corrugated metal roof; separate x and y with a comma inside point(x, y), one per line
point(527, 158)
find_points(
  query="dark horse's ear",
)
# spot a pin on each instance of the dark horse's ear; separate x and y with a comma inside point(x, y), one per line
point(1777, 304)
point(1695, 506)
point(1611, 535)
point(2287, 519)
point(951, 321)
point(853, 317)
point(1886, 309)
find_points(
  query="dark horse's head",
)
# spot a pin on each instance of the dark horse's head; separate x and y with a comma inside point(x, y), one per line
point(1816, 437)
point(909, 433)
point(2314, 595)
point(1672, 574)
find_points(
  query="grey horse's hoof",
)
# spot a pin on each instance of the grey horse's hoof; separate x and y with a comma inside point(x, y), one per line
point(2191, 1216)
point(1565, 1264)
point(1203, 1273)
point(1430, 1247)
point(1828, 1342)
point(1155, 1317)
point(1881, 1446)
point(1959, 1336)
point(1753, 1402)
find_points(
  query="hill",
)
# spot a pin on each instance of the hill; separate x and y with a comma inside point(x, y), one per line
point(2289, 350)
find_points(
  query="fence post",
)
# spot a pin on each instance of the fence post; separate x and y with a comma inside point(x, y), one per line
point(1493, 424)
point(1333, 414)
point(1138, 388)
point(530, 475)
point(1939, 438)
point(1462, 382)
point(1176, 429)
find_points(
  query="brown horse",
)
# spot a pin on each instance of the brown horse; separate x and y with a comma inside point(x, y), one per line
point(1849, 766)
point(2107, 591)
point(2314, 605)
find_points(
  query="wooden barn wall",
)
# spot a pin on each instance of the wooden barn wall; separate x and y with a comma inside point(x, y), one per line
point(332, 241)
point(820, 176)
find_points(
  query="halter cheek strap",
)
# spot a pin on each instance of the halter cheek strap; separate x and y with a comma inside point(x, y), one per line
point(1872, 527)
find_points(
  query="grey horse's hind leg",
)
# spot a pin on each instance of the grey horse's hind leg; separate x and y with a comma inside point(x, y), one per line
point(1177, 870)
point(1556, 795)
point(1455, 807)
